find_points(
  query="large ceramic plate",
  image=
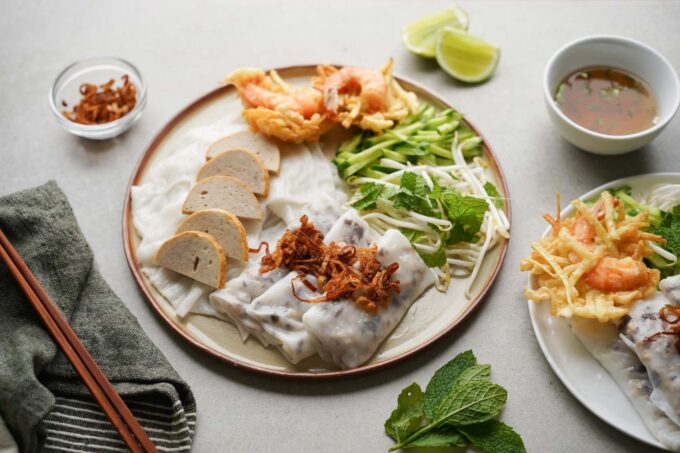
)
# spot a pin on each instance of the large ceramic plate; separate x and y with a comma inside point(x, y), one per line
point(430, 318)
point(578, 370)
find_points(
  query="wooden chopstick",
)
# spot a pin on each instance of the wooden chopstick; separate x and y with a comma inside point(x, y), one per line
point(99, 386)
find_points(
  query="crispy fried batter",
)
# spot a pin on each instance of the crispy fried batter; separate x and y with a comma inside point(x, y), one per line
point(275, 109)
point(591, 265)
point(398, 103)
point(369, 99)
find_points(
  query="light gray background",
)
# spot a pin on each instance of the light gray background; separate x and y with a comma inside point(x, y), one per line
point(183, 48)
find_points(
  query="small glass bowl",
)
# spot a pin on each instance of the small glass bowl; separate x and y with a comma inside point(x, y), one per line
point(66, 88)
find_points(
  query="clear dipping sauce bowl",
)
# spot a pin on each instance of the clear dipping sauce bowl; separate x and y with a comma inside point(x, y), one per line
point(621, 53)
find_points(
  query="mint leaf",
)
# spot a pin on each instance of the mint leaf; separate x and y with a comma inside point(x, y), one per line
point(437, 189)
point(404, 199)
point(408, 416)
point(388, 192)
point(410, 234)
point(442, 382)
point(471, 403)
point(458, 408)
point(493, 192)
point(494, 437)
point(434, 259)
point(412, 194)
point(466, 214)
point(414, 183)
point(443, 436)
point(370, 192)
point(476, 373)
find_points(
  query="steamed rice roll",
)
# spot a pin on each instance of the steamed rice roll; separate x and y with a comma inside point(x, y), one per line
point(646, 369)
point(239, 292)
point(348, 336)
point(279, 313)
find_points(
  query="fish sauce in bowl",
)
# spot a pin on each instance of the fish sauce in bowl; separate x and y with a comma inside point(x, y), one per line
point(607, 100)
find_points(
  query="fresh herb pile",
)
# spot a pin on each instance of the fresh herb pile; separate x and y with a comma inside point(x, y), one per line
point(464, 213)
point(427, 178)
point(458, 408)
point(663, 223)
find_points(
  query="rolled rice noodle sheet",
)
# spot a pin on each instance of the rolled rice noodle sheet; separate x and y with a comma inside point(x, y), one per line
point(184, 294)
point(347, 335)
point(279, 315)
point(306, 176)
point(233, 300)
point(279, 312)
point(659, 355)
point(630, 374)
point(671, 288)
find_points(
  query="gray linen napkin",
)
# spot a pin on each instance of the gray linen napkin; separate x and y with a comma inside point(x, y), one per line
point(42, 400)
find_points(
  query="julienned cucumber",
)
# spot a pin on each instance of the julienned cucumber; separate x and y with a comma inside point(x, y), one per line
point(422, 139)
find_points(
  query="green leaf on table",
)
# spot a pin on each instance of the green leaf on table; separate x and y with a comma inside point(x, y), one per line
point(476, 373)
point(492, 191)
point(408, 416)
point(443, 436)
point(442, 382)
point(471, 403)
point(494, 436)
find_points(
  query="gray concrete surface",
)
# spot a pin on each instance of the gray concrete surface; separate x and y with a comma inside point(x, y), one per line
point(184, 48)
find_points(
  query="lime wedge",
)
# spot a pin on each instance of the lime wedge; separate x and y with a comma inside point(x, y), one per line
point(420, 36)
point(466, 57)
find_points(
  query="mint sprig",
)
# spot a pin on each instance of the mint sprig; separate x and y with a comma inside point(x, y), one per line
point(443, 379)
point(458, 408)
point(408, 416)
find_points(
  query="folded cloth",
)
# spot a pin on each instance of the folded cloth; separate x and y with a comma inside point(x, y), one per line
point(7, 443)
point(43, 402)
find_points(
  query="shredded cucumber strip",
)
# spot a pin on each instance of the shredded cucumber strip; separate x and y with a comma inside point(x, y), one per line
point(438, 147)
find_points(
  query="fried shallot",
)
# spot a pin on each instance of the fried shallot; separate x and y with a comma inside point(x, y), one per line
point(104, 103)
point(340, 270)
point(670, 314)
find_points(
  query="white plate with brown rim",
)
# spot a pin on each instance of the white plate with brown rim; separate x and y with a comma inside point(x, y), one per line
point(431, 317)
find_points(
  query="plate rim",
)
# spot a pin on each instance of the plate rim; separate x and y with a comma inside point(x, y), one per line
point(541, 342)
point(130, 255)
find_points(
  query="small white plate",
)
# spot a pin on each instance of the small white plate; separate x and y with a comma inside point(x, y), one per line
point(579, 371)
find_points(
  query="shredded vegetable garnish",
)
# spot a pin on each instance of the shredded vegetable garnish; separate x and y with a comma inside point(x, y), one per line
point(663, 196)
point(340, 270)
point(670, 314)
point(103, 104)
point(662, 205)
point(427, 177)
point(591, 265)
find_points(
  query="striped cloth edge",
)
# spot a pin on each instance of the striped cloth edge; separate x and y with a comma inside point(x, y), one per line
point(80, 426)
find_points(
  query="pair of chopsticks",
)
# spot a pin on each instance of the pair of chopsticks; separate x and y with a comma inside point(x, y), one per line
point(99, 386)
